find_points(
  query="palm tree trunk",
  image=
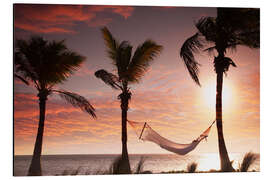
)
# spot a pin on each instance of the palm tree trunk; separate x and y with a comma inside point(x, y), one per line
point(35, 166)
point(124, 166)
point(225, 163)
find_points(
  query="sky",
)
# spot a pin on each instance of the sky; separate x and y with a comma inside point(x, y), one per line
point(166, 98)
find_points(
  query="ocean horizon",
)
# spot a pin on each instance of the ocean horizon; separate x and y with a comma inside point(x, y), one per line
point(92, 164)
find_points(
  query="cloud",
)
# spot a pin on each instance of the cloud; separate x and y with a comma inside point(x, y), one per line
point(62, 119)
point(62, 18)
point(161, 108)
point(124, 11)
point(165, 110)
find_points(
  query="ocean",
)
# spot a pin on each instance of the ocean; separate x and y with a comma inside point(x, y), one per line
point(93, 164)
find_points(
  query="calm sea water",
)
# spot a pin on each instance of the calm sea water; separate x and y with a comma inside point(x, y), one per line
point(91, 164)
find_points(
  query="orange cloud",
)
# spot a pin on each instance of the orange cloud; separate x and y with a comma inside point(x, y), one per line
point(125, 11)
point(63, 119)
point(61, 18)
point(165, 110)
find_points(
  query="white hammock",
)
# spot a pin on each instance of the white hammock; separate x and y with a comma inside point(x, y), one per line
point(146, 133)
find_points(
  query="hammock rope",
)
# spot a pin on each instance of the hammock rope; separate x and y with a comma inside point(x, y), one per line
point(146, 133)
point(142, 130)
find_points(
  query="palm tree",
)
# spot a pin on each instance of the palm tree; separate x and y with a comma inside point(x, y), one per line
point(130, 70)
point(44, 64)
point(231, 27)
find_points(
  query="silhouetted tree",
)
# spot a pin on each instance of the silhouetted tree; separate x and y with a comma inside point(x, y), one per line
point(44, 64)
point(231, 27)
point(130, 69)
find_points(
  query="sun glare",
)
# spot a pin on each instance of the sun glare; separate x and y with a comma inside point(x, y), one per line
point(210, 95)
point(208, 161)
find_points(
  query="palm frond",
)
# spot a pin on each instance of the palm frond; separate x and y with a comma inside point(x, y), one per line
point(208, 28)
point(191, 45)
point(60, 62)
point(230, 61)
point(232, 46)
point(238, 19)
point(77, 101)
point(21, 78)
point(222, 64)
point(45, 62)
point(144, 54)
point(249, 38)
point(21, 63)
point(31, 52)
point(123, 58)
point(111, 43)
point(210, 50)
point(242, 25)
point(108, 78)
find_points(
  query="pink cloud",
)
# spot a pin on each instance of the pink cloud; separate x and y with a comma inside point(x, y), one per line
point(42, 28)
point(61, 18)
point(62, 119)
point(164, 110)
point(125, 11)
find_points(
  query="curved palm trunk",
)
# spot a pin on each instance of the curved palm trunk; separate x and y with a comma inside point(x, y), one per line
point(124, 165)
point(225, 163)
point(35, 166)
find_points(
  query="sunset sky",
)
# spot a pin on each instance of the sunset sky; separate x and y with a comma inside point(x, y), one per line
point(166, 98)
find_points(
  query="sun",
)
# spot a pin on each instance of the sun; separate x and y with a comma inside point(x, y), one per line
point(209, 94)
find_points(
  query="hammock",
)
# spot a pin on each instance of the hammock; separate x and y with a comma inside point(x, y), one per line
point(146, 133)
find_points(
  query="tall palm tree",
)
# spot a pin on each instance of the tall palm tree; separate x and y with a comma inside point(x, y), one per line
point(44, 64)
point(130, 69)
point(231, 27)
